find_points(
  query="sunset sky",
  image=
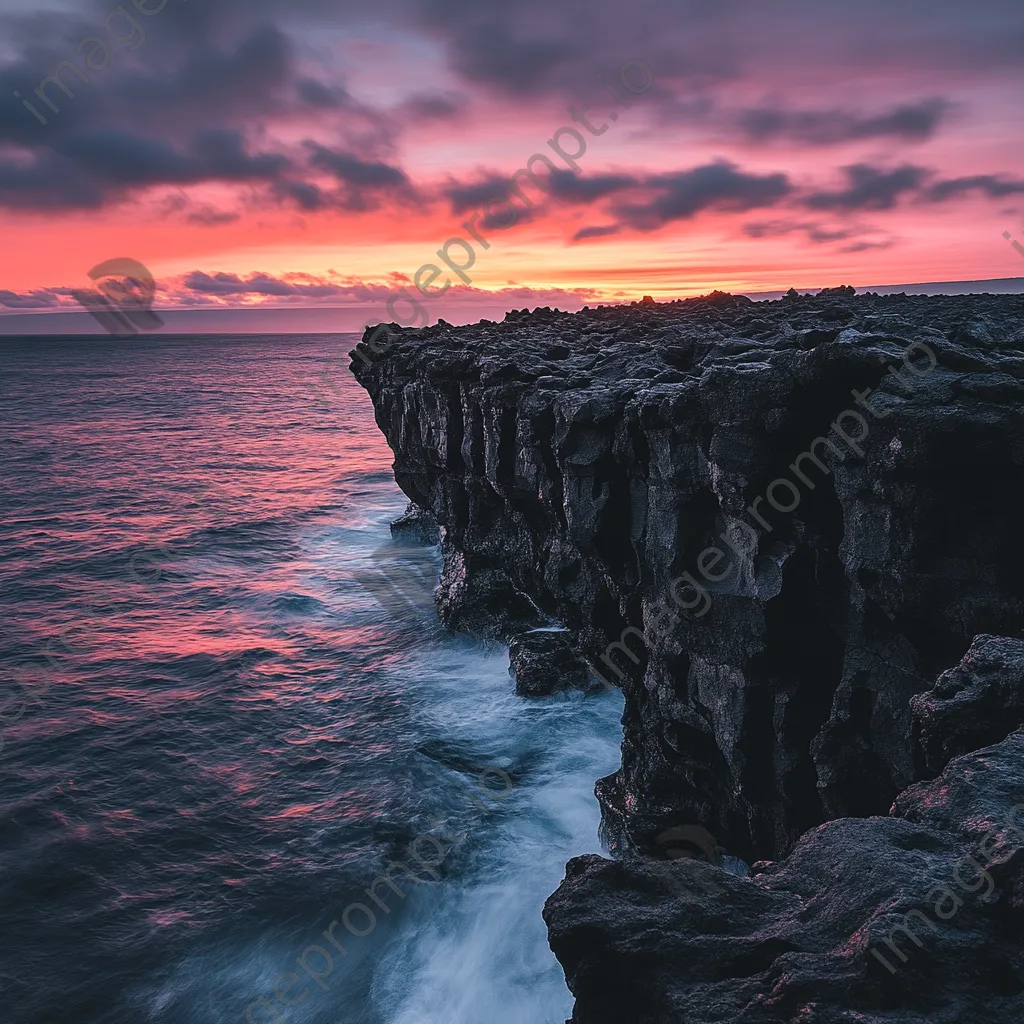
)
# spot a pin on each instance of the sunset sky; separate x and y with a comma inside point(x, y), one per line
point(316, 153)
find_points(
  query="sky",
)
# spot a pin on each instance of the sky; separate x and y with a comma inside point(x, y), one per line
point(314, 156)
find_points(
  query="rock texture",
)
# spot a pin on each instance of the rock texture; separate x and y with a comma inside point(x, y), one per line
point(971, 705)
point(579, 464)
point(917, 918)
point(542, 661)
point(772, 525)
point(416, 525)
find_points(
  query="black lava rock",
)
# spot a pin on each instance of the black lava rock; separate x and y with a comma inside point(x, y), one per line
point(542, 661)
point(972, 705)
point(771, 525)
point(915, 918)
point(417, 525)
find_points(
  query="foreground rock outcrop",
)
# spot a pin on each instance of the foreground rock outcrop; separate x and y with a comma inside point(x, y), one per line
point(917, 918)
point(971, 705)
point(772, 525)
point(913, 918)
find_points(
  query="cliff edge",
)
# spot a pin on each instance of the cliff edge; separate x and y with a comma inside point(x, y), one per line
point(772, 525)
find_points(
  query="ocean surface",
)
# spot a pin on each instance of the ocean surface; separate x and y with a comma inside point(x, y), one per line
point(228, 707)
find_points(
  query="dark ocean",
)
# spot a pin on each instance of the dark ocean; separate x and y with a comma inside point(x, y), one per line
point(228, 707)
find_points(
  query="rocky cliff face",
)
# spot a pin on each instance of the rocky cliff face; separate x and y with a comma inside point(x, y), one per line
point(914, 918)
point(772, 524)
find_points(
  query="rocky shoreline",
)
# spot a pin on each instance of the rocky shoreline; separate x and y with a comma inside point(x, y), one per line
point(773, 525)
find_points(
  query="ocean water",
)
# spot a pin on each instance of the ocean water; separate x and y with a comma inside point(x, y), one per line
point(228, 708)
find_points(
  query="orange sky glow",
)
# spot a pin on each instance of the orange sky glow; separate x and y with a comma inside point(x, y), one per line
point(754, 160)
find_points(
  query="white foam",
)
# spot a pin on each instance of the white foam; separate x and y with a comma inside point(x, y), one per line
point(480, 953)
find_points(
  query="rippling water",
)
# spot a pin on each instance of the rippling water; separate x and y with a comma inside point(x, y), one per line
point(218, 732)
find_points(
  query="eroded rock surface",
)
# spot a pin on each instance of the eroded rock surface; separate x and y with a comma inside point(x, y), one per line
point(917, 918)
point(417, 525)
point(581, 465)
point(542, 661)
point(972, 705)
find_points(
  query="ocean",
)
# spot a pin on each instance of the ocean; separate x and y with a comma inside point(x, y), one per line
point(245, 774)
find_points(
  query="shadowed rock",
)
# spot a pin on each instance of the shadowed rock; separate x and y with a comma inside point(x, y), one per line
point(417, 525)
point(582, 464)
point(542, 662)
point(820, 935)
point(771, 525)
point(976, 703)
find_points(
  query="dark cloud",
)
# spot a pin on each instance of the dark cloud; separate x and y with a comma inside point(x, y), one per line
point(521, 65)
point(353, 171)
point(720, 185)
point(433, 107)
point(39, 299)
point(587, 188)
point(473, 195)
point(201, 85)
point(307, 197)
point(84, 171)
point(657, 199)
point(225, 158)
point(870, 188)
point(914, 122)
point(181, 116)
point(316, 94)
point(259, 284)
point(238, 71)
point(220, 288)
point(199, 287)
point(866, 246)
point(47, 182)
point(363, 182)
point(208, 217)
point(647, 203)
point(504, 47)
point(599, 231)
point(562, 186)
point(115, 158)
point(991, 185)
point(859, 236)
point(535, 47)
point(813, 231)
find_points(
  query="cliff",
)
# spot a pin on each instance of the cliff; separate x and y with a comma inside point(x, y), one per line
point(914, 918)
point(771, 524)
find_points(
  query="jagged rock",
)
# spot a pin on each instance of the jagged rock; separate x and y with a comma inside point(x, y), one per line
point(771, 540)
point(581, 463)
point(417, 525)
point(817, 938)
point(972, 705)
point(542, 661)
point(480, 598)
